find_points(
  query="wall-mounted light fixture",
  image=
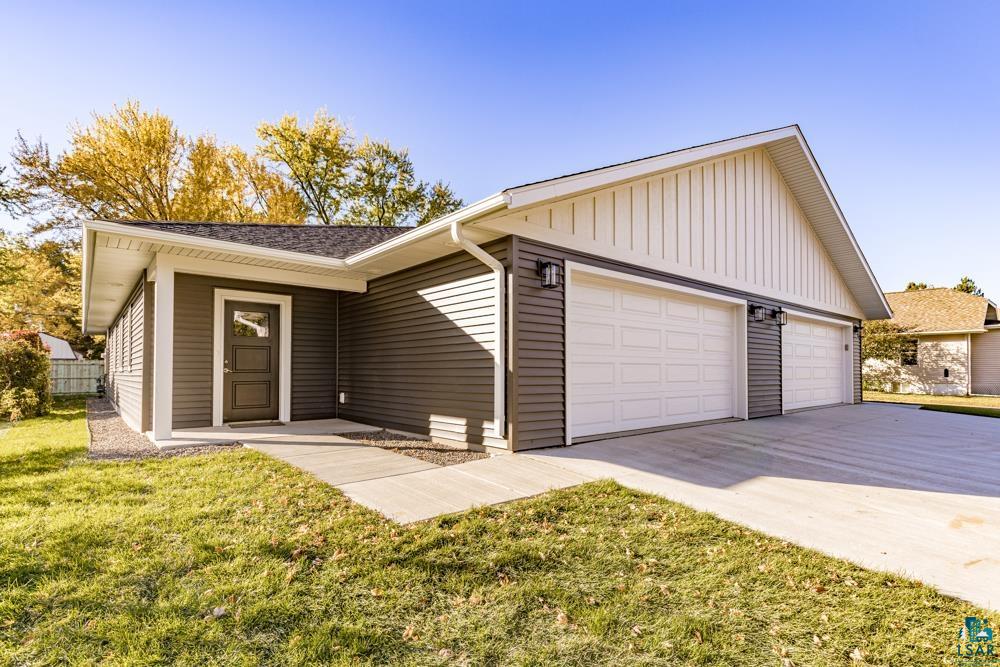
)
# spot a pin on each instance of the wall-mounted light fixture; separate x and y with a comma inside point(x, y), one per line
point(758, 312)
point(550, 273)
point(857, 328)
point(780, 317)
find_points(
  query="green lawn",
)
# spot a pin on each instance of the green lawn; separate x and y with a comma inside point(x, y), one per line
point(988, 406)
point(234, 558)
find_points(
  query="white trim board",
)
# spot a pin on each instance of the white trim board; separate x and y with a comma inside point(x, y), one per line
point(739, 307)
point(284, 303)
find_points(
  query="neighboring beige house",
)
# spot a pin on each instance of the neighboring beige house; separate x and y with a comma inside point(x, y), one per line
point(955, 348)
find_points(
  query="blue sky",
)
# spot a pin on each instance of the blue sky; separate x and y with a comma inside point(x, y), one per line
point(899, 101)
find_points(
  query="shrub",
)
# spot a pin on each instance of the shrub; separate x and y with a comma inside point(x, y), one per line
point(24, 378)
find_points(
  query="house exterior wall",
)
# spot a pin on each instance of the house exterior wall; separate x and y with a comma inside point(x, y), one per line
point(986, 362)
point(934, 355)
point(314, 349)
point(730, 222)
point(416, 350)
point(536, 404)
point(125, 360)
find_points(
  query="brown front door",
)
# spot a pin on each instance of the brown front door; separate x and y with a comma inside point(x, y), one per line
point(250, 362)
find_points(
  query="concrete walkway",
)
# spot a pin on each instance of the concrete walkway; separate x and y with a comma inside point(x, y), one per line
point(336, 460)
point(220, 435)
point(444, 490)
point(406, 489)
point(889, 487)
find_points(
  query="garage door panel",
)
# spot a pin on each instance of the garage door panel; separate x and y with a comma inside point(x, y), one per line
point(669, 358)
point(635, 374)
point(642, 339)
point(812, 364)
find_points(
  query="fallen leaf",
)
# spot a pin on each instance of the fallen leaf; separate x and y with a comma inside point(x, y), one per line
point(817, 641)
point(857, 655)
point(409, 633)
point(219, 612)
point(562, 619)
point(636, 630)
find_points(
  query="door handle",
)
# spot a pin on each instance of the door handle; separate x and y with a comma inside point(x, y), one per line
point(226, 370)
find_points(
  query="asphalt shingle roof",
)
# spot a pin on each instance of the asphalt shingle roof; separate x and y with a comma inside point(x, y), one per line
point(938, 309)
point(338, 241)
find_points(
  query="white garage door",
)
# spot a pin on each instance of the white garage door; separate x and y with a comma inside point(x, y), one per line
point(812, 363)
point(645, 357)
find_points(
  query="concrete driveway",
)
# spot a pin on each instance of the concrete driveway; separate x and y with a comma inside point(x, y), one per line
point(889, 487)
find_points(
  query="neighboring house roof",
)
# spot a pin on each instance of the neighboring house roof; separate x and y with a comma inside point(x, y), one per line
point(338, 241)
point(939, 310)
point(58, 348)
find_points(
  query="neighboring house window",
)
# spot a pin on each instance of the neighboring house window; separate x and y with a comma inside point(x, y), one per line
point(908, 356)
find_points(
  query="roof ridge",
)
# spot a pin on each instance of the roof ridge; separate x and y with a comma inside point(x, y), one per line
point(929, 289)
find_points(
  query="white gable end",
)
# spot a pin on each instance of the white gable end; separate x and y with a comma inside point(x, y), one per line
point(731, 221)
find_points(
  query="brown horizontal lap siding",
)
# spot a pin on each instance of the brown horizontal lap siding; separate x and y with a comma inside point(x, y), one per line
point(763, 365)
point(537, 399)
point(538, 404)
point(416, 350)
point(857, 365)
point(125, 359)
point(314, 352)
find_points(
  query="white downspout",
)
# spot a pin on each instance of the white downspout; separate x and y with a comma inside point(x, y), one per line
point(499, 370)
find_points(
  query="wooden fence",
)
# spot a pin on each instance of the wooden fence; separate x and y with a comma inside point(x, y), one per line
point(69, 376)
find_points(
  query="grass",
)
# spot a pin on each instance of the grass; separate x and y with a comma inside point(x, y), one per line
point(982, 406)
point(963, 410)
point(234, 558)
point(925, 399)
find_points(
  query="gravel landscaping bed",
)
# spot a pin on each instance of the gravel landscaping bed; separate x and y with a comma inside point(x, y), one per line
point(418, 448)
point(112, 440)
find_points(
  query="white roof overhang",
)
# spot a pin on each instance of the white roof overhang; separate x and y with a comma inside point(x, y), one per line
point(115, 254)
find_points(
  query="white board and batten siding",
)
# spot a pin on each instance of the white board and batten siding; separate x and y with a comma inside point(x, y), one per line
point(731, 222)
point(644, 357)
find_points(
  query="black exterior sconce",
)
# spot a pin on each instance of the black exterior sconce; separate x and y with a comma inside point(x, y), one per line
point(780, 317)
point(759, 312)
point(550, 273)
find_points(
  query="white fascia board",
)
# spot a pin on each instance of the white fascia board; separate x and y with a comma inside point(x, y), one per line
point(87, 270)
point(213, 245)
point(440, 226)
point(528, 195)
point(819, 318)
point(918, 334)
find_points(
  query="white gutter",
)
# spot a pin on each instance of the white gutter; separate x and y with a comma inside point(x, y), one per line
point(442, 224)
point(499, 345)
